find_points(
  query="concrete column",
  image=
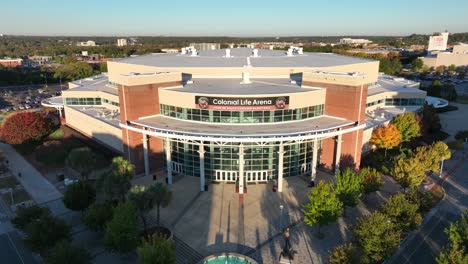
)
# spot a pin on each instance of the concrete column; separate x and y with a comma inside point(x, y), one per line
point(338, 154)
point(314, 160)
point(168, 161)
point(241, 168)
point(280, 167)
point(201, 152)
point(145, 154)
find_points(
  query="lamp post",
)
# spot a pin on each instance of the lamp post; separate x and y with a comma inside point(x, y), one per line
point(441, 167)
point(281, 218)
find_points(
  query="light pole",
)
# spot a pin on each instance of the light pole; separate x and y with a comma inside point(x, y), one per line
point(441, 167)
point(11, 195)
point(281, 218)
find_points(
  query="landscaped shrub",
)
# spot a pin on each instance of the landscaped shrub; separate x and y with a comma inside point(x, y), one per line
point(23, 127)
point(425, 200)
point(71, 143)
point(462, 134)
point(455, 144)
point(79, 196)
point(347, 253)
point(26, 215)
point(97, 216)
point(51, 153)
point(43, 233)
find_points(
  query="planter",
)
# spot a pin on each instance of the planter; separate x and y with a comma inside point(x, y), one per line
point(228, 258)
point(158, 229)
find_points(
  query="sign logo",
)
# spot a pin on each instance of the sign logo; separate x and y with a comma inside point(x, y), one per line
point(242, 103)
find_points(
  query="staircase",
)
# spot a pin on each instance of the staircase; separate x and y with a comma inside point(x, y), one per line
point(185, 253)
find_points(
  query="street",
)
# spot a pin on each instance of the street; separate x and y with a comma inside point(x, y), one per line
point(426, 243)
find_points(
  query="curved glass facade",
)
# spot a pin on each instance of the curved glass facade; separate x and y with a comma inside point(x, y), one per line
point(222, 162)
point(214, 116)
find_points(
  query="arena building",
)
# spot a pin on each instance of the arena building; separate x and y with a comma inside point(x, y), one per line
point(237, 115)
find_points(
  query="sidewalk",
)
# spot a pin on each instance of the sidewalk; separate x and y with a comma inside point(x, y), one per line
point(33, 182)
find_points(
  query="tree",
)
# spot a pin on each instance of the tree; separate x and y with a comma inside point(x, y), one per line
point(158, 250)
point(456, 251)
point(121, 233)
point(103, 67)
point(408, 172)
point(26, 126)
point(348, 187)
point(324, 207)
point(97, 216)
point(402, 212)
point(162, 197)
point(74, 71)
point(430, 120)
point(440, 151)
point(116, 183)
point(386, 137)
point(26, 215)
point(422, 199)
point(371, 178)
point(452, 68)
point(83, 160)
point(64, 252)
point(407, 125)
point(376, 235)
point(79, 196)
point(43, 233)
point(417, 64)
point(346, 253)
point(143, 200)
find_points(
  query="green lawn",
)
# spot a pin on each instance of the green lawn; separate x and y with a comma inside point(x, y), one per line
point(8, 182)
point(19, 196)
point(57, 134)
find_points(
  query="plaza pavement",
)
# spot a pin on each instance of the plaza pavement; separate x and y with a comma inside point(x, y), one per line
point(219, 221)
point(454, 121)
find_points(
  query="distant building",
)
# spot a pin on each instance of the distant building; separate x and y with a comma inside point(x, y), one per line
point(121, 42)
point(458, 57)
point(170, 50)
point(88, 43)
point(351, 41)
point(205, 46)
point(438, 42)
point(40, 60)
point(9, 62)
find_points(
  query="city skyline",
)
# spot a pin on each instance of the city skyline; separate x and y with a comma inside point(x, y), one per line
point(242, 19)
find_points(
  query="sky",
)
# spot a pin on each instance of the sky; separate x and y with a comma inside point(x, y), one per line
point(237, 18)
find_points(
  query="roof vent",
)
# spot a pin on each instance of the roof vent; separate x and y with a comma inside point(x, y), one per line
point(255, 53)
point(245, 78)
point(228, 53)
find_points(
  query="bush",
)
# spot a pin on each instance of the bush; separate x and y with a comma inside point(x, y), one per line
point(158, 250)
point(72, 143)
point(79, 196)
point(462, 134)
point(97, 216)
point(64, 252)
point(45, 232)
point(122, 231)
point(455, 144)
point(51, 153)
point(26, 215)
point(424, 200)
point(372, 179)
point(22, 127)
point(346, 253)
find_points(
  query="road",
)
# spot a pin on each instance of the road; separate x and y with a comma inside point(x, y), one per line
point(12, 249)
point(426, 243)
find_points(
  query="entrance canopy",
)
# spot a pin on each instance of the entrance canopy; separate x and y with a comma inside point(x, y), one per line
point(167, 127)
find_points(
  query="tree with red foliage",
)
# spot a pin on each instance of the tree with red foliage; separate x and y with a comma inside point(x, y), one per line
point(21, 127)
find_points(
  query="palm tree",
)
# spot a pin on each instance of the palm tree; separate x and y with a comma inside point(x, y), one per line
point(117, 181)
point(162, 197)
point(144, 199)
point(82, 160)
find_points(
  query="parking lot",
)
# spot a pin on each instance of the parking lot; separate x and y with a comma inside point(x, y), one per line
point(25, 97)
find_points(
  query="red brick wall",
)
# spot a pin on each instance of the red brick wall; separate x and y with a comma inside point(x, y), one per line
point(347, 102)
point(135, 102)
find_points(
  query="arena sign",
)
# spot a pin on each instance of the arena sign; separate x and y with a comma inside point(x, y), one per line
point(242, 103)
